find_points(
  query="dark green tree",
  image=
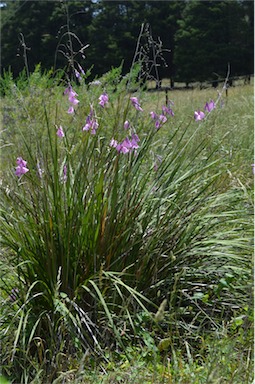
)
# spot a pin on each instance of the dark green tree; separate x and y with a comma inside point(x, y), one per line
point(212, 34)
point(248, 11)
point(113, 33)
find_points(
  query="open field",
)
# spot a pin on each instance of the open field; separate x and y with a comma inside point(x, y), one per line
point(126, 253)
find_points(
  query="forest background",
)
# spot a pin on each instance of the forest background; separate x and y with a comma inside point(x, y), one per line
point(195, 40)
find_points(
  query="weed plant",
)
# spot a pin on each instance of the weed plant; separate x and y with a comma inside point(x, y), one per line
point(119, 227)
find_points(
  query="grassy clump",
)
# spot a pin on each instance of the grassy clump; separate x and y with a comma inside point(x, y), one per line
point(102, 250)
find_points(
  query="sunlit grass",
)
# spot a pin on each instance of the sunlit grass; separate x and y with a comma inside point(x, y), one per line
point(231, 125)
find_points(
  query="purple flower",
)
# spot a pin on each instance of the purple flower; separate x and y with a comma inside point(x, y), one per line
point(167, 111)
point(113, 143)
point(136, 103)
point(103, 99)
point(72, 98)
point(81, 69)
point(87, 126)
point(159, 119)
point(157, 124)
point(77, 74)
point(153, 115)
point(70, 110)
point(21, 171)
point(20, 162)
point(70, 92)
point(209, 106)
point(199, 115)
point(126, 124)
point(121, 148)
point(60, 132)
point(91, 122)
point(21, 168)
point(127, 145)
point(94, 126)
point(134, 141)
point(67, 90)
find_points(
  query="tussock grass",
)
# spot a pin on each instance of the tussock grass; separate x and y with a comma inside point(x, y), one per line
point(94, 241)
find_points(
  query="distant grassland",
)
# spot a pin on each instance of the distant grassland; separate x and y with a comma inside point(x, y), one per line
point(232, 124)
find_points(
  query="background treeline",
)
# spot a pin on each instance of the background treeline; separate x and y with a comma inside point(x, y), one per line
point(192, 40)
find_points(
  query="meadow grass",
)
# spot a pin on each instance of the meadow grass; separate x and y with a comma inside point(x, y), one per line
point(122, 267)
point(232, 125)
